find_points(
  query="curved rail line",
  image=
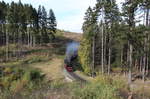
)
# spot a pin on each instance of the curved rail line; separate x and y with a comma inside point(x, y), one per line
point(73, 77)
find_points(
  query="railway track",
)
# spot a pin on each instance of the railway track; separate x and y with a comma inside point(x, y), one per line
point(71, 76)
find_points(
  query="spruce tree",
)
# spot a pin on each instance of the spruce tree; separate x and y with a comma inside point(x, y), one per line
point(45, 37)
point(130, 7)
point(51, 23)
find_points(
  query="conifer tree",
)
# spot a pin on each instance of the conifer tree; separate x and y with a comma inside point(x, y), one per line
point(130, 7)
point(22, 24)
point(51, 23)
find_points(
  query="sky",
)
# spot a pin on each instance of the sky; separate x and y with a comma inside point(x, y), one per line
point(69, 13)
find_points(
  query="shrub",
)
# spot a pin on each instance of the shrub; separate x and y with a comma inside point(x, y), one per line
point(96, 91)
point(85, 55)
point(102, 87)
point(35, 75)
point(56, 84)
point(103, 79)
point(15, 78)
point(7, 70)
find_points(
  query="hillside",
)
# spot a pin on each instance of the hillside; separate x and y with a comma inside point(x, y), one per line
point(42, 61)
point(73, 36)
point(39, 73)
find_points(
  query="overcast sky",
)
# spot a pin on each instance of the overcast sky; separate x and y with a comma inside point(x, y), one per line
point(69, 13)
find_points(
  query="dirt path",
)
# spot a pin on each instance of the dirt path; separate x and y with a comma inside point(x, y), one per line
point(52, 69)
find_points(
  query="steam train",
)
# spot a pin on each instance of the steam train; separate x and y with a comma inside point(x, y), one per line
point(71, 55)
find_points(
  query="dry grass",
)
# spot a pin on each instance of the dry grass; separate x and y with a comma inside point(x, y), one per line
point(73, 36)
point(141, 89)
point(52, 68)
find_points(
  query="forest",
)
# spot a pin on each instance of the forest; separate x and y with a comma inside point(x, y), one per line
point(115, 38)
point(22, 24)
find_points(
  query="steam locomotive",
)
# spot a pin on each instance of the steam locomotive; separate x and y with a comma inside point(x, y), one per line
point(71, 55)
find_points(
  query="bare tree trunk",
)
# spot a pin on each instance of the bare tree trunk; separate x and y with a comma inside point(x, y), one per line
point(102, 51)
point(28, 33)
point(109, 61)
point(109, 56)
point(7, 45)
point(127, 59)
point(105, 48)
point(144, 58)
point(144, 17)
point(2, 40)
point(145, 45)
point(141, 64)
point(136, 65)
point(121, 57)
point(102, 40)
point(34, 41)
point(147, 60)
point(31, 41)
point(147, 17)
point(147, 64)
point(130, 63)
point(93, 52)
point(20, 42)
point(144, 66)
point(14, 42)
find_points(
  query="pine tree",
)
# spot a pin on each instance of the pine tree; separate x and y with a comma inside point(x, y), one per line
point(51, 23)
point(21, 24)
point(130, 7)
point(3, 10)
point(45, 37)
point(112, 19)
point(40, 23)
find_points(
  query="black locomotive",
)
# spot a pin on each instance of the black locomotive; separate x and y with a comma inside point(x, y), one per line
point(71, 55)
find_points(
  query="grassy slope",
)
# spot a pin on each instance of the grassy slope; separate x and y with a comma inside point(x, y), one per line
point(49, 59)
point(52, 68)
